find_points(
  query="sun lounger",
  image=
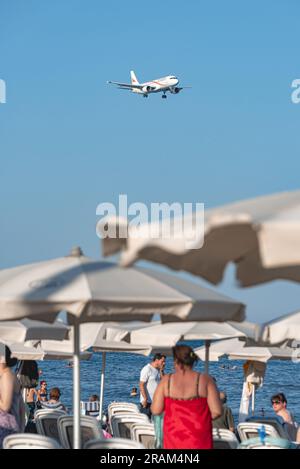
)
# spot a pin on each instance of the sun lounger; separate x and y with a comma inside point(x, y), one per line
point(247, 430)
point(273, 421)
point(89, 430)
point(269, 443)
point(29, 441)
point(46, 422)
point(121, 423)
point(224, 439)
point(113, 443)
point(144, 434)
point(121, 407)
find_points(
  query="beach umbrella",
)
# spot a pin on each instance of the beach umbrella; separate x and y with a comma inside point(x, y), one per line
point(41, 352)
point(27, 329)
point(261, 236)
point(281, 329)
point(93, 291)
point(165, 336)
point(236, 349)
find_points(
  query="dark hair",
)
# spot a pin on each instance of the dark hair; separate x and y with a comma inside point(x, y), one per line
point(279, 397)
point(94, 398)
point(43, 382)
point(10, 362)
point(158, 356)
point(55, 394)
point(184, 355)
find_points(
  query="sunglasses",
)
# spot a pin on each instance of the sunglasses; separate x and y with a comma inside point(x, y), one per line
point(276, 402)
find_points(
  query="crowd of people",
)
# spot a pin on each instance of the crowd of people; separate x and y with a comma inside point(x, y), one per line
point(191, 404)
point(189, 401)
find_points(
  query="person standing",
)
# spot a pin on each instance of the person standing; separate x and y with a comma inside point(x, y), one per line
point(42, 394)
point(149, 379)
point(12, 409)
point(190, 401)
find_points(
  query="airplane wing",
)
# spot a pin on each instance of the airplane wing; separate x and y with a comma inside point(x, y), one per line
point(126, 85)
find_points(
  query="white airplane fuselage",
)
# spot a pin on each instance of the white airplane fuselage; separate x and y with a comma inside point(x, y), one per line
point(158, 85)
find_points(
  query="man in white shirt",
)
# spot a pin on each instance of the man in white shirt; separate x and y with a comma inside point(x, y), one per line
point(149, 379)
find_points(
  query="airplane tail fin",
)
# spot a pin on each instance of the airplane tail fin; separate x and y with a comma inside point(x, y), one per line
point(134, 80)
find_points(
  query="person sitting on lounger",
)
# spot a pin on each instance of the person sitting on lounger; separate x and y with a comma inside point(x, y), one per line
point(279, 404)
point(54, 402)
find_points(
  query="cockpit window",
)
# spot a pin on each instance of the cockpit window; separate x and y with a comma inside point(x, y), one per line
point(175, 78)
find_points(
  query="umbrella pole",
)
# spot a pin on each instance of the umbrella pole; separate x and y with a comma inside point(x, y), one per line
point(76, 386)
point(102, 386)
point(207, 346)
point(253, 399)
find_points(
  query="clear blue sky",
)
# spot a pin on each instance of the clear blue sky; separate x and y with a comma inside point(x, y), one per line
point(68, 141)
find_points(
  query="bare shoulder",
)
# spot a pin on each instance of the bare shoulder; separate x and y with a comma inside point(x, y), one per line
point(165, 379)
point(208, 380)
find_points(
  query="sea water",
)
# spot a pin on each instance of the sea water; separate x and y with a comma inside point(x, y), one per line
point(123, 371)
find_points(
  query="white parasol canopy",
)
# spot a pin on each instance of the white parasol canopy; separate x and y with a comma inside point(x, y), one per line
point(236, 349)
point(27, 329)
point(41, 352)
point(281, 329)
point(261, 236)
point(94, 291)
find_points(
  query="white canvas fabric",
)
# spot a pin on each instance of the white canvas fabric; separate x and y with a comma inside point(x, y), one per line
point(165, 336)
point(26, 329)
point(95, 291)
point(236, 349)
point(43, 351)
point(281, 329)
point(260, 235)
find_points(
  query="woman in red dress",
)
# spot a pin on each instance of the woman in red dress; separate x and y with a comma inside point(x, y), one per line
point(190, 401)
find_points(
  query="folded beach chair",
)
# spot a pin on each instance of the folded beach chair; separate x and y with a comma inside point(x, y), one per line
point(224, 439)
point(247, 430)
point(88, 426)
point(273, 421)
point(29, 441)
point(269, 443)
point(121, 407)
point(121, 423)
point(113, 443)
point(46, 422)
point(144, 434)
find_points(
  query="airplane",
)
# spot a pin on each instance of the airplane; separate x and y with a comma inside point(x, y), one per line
point(160, 85)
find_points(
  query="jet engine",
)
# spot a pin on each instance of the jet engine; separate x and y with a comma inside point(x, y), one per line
point(148, 88)
point(175, 90)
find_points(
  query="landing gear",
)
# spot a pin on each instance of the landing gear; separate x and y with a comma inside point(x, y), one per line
point(145, 96)
point(164, 96)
